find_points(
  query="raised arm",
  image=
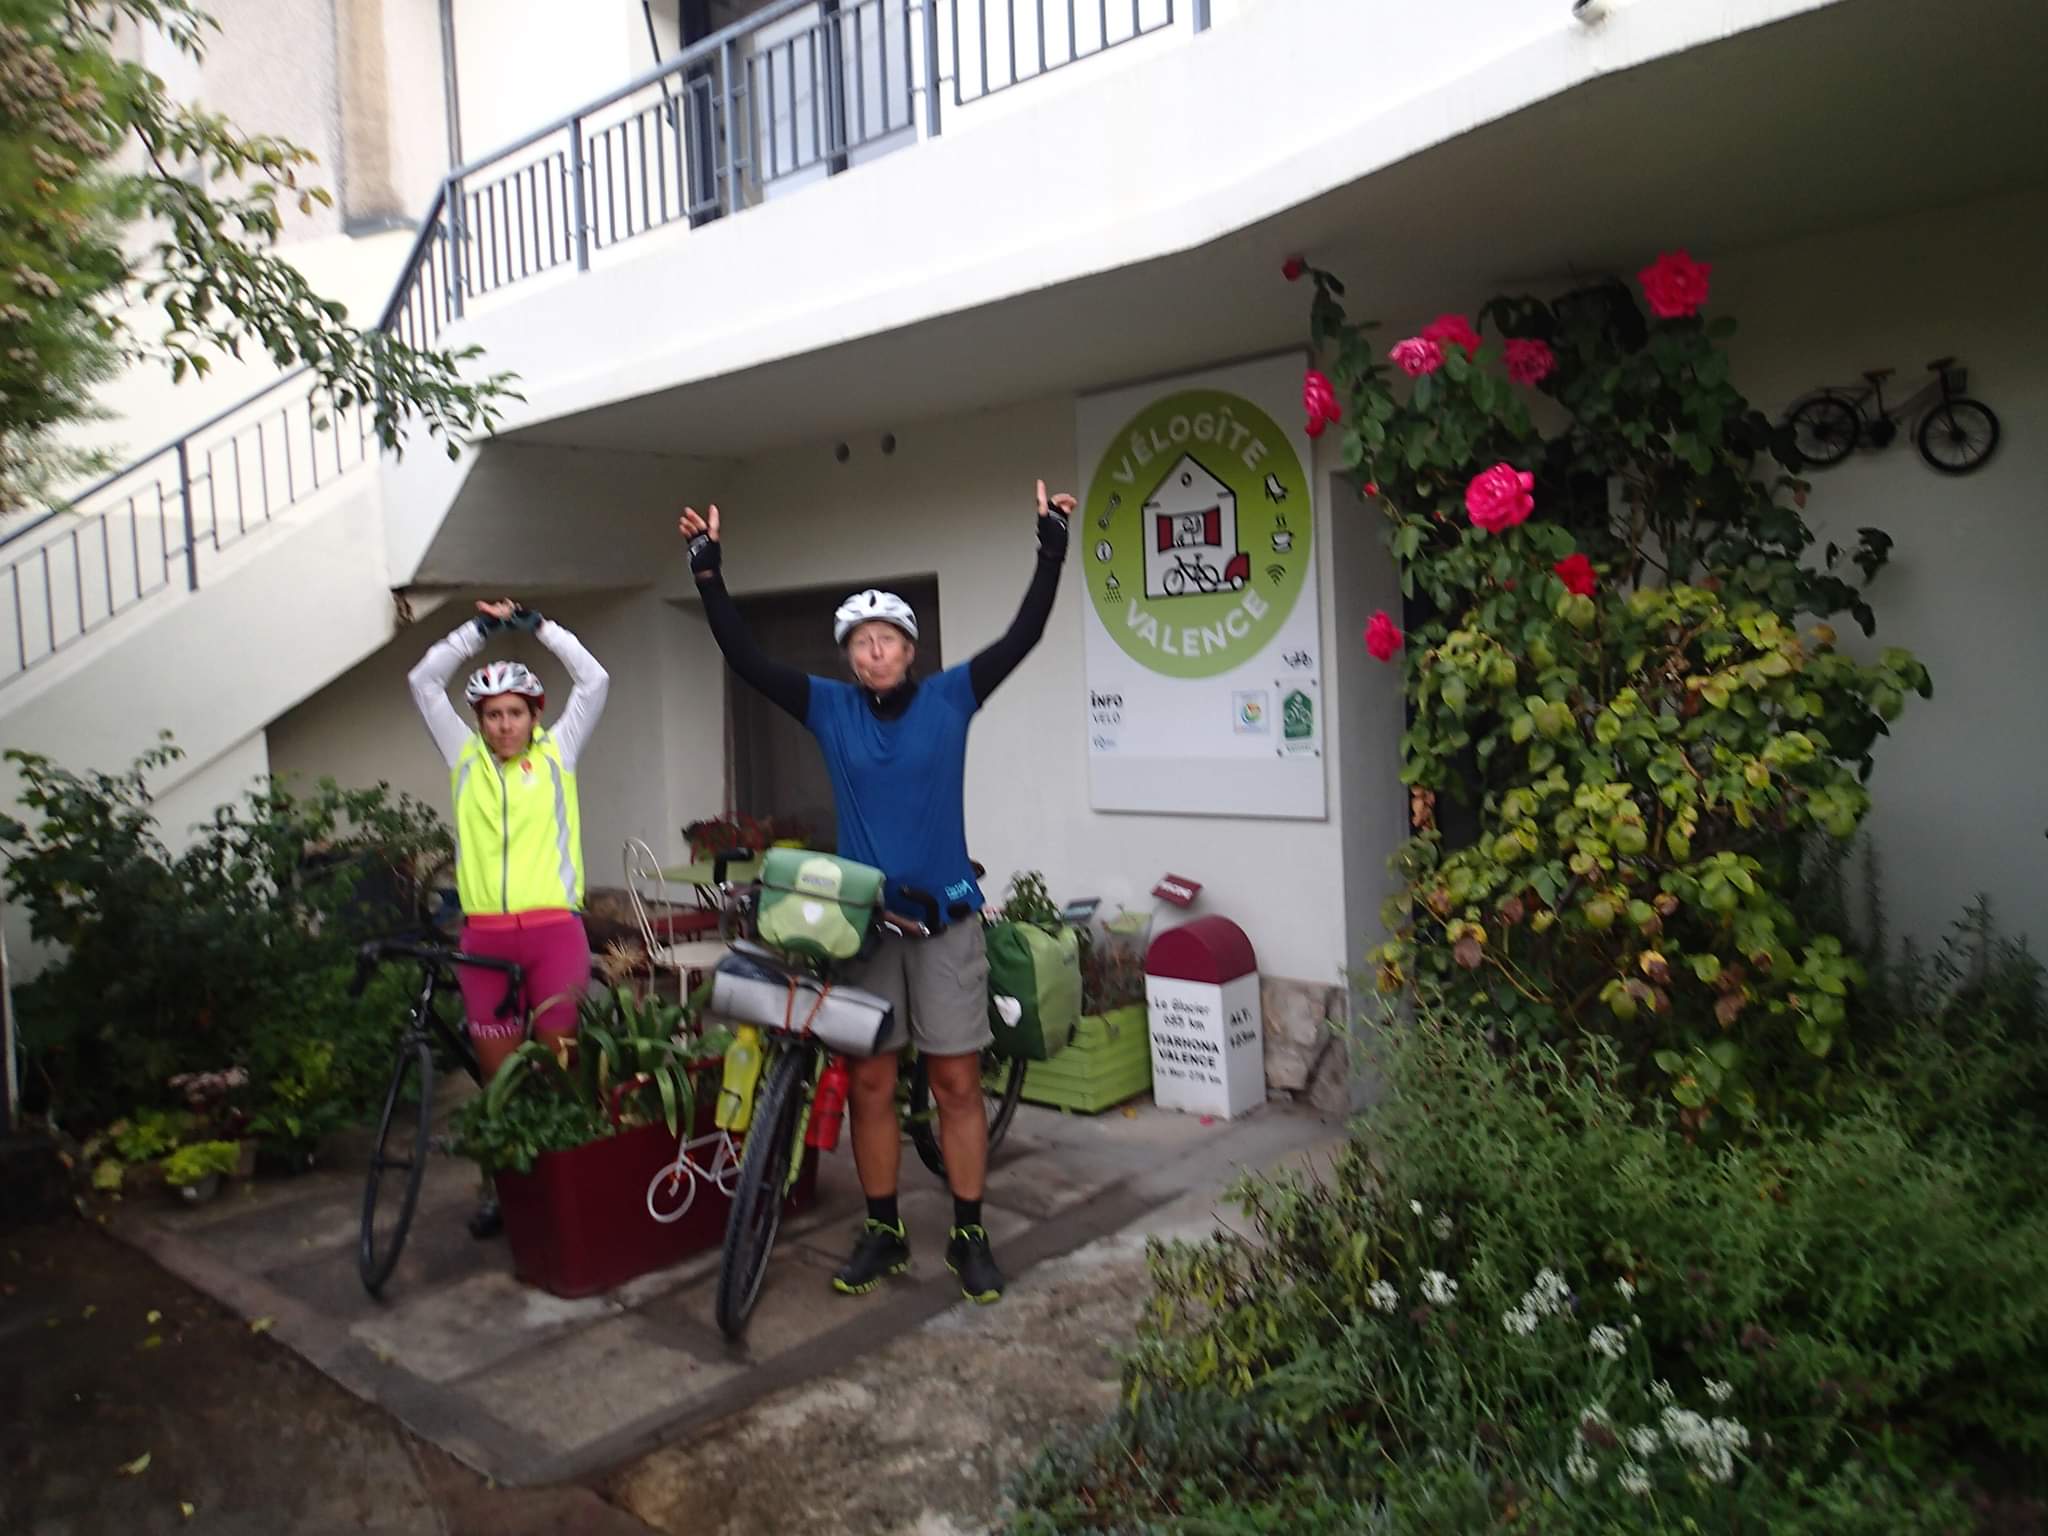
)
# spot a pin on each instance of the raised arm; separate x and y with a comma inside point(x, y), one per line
point(782, 685)
point(429, 684)
point(988, 669)
point(589, 684)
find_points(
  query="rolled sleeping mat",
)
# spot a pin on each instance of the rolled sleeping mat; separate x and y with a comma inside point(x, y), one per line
point(751, 986)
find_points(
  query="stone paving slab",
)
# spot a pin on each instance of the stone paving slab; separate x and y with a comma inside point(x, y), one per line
point(530, 1388)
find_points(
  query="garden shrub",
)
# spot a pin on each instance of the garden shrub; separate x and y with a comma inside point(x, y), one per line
point(1520, 1300)
point(1618, 659)
point(225, 966)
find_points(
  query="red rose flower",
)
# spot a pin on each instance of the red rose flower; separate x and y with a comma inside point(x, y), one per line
point(1315, 426)
point(1675, 284)
point(1372, 488)
point(1500, 497)
point(1382, 637)
point(1576, 572)
point(1417, 355)
point(1529, 361)
point(1292, 268)
point(1319, 397)
point(1452, 331)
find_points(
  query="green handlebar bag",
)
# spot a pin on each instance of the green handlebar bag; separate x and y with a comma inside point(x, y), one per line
point(1035, 976)
point(816, 905)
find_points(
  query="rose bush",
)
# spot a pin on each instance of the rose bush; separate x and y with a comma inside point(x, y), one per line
point(1618, 662)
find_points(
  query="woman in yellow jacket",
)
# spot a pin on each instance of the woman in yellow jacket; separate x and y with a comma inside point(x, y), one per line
point(518, 832)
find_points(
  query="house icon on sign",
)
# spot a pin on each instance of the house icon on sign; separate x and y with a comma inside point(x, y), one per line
point(1191, 535)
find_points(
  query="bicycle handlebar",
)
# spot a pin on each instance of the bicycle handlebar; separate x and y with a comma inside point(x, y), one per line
point(377, 951)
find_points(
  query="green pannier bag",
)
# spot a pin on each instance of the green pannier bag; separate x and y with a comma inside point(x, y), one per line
point(1036, 976)
point(816, 905)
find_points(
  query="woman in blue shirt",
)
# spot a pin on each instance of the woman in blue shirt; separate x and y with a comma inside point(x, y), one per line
point(896, 750)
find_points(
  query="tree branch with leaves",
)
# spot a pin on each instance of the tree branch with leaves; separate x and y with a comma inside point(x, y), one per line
point(94, 151)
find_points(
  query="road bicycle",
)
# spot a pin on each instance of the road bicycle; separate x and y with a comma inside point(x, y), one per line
point(405, 1129)
point(1955, 435)
point(770, 1156)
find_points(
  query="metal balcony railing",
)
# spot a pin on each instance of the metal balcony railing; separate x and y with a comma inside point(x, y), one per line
point(800, 87)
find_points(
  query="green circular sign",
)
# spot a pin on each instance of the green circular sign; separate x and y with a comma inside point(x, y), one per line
point(1196, 533)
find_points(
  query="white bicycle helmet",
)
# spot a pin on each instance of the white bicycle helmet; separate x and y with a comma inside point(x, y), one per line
point(871, 604)
point(498, 677)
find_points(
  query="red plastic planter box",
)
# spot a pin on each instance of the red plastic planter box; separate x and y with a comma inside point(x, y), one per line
point(578, 1223)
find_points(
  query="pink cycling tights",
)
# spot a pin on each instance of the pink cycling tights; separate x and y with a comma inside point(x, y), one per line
point(554, 952)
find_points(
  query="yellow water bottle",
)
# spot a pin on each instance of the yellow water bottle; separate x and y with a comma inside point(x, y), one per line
point(736, 1087)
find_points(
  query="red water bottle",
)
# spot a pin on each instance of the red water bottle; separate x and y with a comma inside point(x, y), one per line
point(828, 1106)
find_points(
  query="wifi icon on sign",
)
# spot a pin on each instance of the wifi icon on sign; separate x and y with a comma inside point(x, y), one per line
point(1274, 573)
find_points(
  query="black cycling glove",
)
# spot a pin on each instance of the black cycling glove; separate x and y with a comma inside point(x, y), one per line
point(528, 619)
point(1052, 535)
point(705, 556)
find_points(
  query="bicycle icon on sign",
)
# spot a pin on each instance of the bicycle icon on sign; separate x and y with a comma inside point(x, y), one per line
point(1955, 435)
point(1193, 573)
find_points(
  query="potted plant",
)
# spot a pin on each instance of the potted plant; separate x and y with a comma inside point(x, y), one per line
point(574, 1132)
point(195, 1171)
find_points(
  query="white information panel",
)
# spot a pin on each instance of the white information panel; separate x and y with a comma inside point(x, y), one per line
point(1196, 539)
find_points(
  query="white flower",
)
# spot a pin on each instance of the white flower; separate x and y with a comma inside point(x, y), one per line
point(1607, 1341)
point(1415, 1206)
point(1626, 1287)
point(1644, 1441)
point(1597, 1412)
point(1661, 1390)
point(1517, 1321)
point(1719, 1391)
point(1383, 1295)
point(1441, 1226)
point(1438, 1288)
point(1549, 1294)
point(1633, 1479)
point(1581, 1466)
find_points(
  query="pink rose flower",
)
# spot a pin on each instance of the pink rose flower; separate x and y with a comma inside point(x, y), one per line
point(1319, 398)
point(1500, 497)
point(1576, 572)
point(1315, 426)
point(1292, 268)
point(1529, 361)
point(1417, 356)
point(1382, 637)
point(1675, 284)
point(1452, 331)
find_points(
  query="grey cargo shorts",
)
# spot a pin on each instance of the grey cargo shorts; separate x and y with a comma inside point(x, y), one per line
point(939, 987)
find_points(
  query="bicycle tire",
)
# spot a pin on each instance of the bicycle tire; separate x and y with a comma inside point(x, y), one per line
point(756, 1218)
point(1825, 429)
point(377, 1254)
point(1956, 412)
point(1006, 1072)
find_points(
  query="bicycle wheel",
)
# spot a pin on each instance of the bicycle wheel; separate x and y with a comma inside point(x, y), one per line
point(1958, 436)
point(398, 1163)
point(1002, 1086)
point(1825, 429)
point(763, 1186)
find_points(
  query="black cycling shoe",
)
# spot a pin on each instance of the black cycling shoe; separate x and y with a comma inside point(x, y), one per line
point(488, 1220)
point(968, 1257)
point(882, 1251)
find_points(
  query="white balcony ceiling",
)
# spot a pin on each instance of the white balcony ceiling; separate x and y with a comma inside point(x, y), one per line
point(1835, 118)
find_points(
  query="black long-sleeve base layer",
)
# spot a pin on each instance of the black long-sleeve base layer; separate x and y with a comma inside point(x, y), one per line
point(790, 690)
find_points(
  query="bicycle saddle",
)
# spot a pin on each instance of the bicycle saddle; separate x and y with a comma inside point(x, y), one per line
point(1878, 375)
point(1941, 364)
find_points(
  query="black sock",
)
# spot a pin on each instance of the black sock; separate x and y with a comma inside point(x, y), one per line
point(882, 1208)
point(966, 1213)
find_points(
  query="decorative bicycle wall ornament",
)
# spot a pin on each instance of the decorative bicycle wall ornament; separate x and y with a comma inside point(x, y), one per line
point(1955, 434)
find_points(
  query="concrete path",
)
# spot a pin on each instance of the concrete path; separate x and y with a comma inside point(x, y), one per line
point(529, 1389)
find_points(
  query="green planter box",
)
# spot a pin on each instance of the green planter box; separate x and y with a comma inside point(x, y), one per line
point(1108, 1061)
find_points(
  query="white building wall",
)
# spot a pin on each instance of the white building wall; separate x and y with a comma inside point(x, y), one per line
point(1961, 796)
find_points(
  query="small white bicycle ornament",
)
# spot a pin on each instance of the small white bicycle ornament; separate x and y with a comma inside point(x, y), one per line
point(684, 1175)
